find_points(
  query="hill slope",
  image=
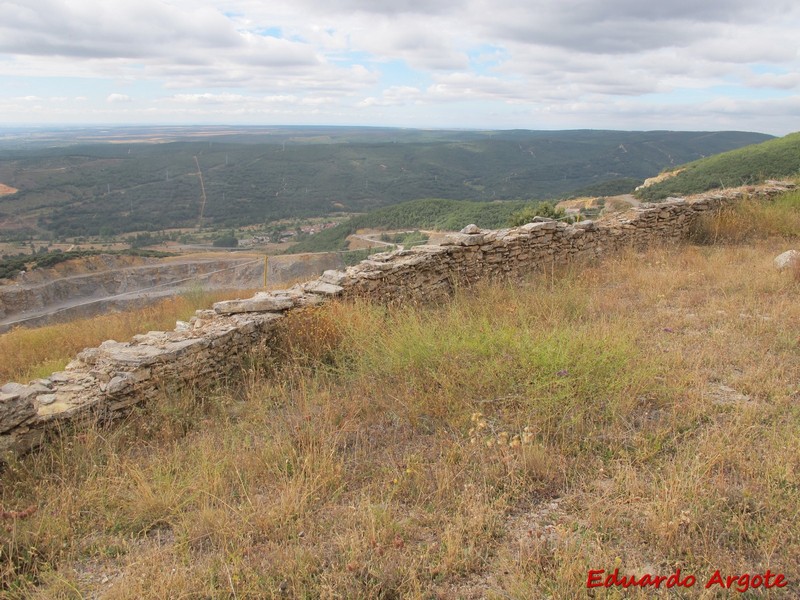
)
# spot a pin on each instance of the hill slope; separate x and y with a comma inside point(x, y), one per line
point(501, 445)
point(427, 213)
point(778, 158)
point(89, 189)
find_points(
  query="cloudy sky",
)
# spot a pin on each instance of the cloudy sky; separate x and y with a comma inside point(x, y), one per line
point(534, 64)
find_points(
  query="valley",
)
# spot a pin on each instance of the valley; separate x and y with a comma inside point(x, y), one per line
point(172, 209)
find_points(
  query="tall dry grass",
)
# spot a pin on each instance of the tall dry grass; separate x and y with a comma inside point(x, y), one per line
point(751, 219)
point(642, 414)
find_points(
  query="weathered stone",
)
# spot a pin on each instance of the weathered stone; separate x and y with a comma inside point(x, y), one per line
point(15, 408)
point(261, 302)
point(463, 239)
point(320, 287)
point(788, 260)
point(531, 228)
point(587, 225)
point(14, 388)
point(119, 383)
point(89, 356)
point(572, 233)
point(471, 229)
point(61, 377)
point(333, 277)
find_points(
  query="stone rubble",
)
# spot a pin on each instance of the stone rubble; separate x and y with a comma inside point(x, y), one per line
point(100, 382)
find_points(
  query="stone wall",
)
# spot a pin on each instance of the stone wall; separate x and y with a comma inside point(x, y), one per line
point(106, 380)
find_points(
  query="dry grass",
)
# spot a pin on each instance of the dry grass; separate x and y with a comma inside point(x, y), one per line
point(642, 414)
point(751, 220)
point(31, 353)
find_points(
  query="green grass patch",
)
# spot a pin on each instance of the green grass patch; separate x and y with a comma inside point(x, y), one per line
point(773, 159)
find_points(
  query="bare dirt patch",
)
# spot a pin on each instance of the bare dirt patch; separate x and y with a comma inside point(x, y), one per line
point(659, 178)
point(579, 203)
point(7, 190)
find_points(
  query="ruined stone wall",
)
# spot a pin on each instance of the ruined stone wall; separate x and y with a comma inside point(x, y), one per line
point(108, 379)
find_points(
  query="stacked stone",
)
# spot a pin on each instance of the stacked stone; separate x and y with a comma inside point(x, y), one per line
point(104, 381)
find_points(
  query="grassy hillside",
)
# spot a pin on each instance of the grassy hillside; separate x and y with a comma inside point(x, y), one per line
point(429, 213)
point(75, 189)
point(640, 414)
point(772, 159)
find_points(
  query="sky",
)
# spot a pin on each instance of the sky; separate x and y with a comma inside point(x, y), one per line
point(477, 64)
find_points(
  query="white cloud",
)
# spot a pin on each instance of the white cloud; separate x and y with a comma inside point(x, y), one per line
point(540, 61)
point(394, 96)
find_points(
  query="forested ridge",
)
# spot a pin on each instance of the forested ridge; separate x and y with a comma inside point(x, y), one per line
point(111, 188)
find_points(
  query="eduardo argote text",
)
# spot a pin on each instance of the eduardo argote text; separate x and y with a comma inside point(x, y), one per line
point(741, 582)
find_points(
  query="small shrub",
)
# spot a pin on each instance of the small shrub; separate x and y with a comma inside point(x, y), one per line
point(527, 214)
point(228, 240)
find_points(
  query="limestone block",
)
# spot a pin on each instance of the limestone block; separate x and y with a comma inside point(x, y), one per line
point(321, 287)
point(463, 239)
point(45, 399)
point(787, 260)
point(261, 302)
point(63, 377)
point(535, 227)
point(16, 405)
point(333, 277)
point(89, 356)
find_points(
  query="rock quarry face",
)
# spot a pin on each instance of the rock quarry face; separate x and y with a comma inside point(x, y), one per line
point(292, 268)
point(111, 282)
point(34, 291)
point(104, 381)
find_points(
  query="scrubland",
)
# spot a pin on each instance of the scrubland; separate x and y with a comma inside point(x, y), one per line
point(642, 413)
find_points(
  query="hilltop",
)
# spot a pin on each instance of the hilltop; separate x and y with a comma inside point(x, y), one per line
point(638, 414)
point(772, 159)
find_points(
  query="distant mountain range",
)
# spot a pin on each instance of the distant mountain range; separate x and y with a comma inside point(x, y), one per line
point(89, 182)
